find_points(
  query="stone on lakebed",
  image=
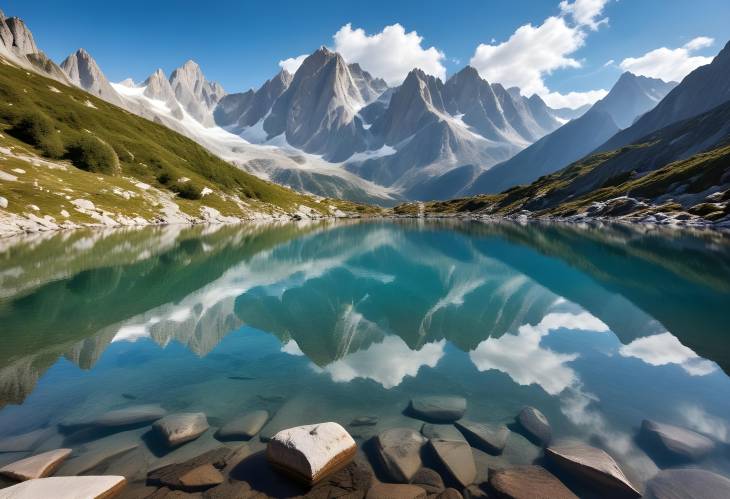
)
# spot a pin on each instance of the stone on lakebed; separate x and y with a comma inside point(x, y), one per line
point(442, 409)
point(528, 482)
point(244, 427)
point(490, 438)
point(593, 466)
point(680, 443)
point(183, 427)
point(67, 487)
point(400, 452)
point(133, 415)
point(687, 484)
point(38, 466)
point(536, 425)
point(311, 452)
point(395, 491)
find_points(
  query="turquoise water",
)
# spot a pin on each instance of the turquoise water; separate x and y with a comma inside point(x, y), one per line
point(599, 328)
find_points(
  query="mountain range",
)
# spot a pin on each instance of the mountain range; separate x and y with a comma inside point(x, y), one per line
point(332, 129)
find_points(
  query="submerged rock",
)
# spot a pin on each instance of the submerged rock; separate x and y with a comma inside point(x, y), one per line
point(680, 443)
point(128, 416)
point(444, 409)
point(172, 475)
point(528, 482)
point(364, 421)
point(100, 451)
point(400, 452)
point(244, 427)
point(204, 476)
point(395, 491)
point(457, 457)
point(450, 493)
point(592, 466)
point(536, 425)
point(38, 466)
point(442, 432)
point(352, 481)
point(490, 438)
point(177, 429)
point(429, 480)
point(67, 487)
point(687, 484)
point(25, 441)
point(311, 452)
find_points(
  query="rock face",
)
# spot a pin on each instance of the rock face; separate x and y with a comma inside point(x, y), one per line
point(536, 425)
point(38, 466)
point(248, 108)
point(528, 482)
point(177, 429)
point(680, 443)
point(84, 72)
point(490, 438)
point(395, 491)
point(195, 94)
point(442, 409)
point(138, 414)
point(687, 484)
point(311, 452)
point(244, 427)
point(593, 466)
point(67, 487)
point(400, 452)
point(17, 44)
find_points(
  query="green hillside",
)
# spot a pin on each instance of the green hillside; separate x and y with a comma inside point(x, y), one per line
point(59, 144)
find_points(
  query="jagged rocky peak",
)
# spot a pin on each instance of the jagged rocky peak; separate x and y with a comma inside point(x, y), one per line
point(83, 71)
point(158, 87)
point(370, 88)
point(195, 94)
point(17, 37)
point(245, 109)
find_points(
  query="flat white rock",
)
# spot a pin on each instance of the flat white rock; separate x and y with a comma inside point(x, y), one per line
point(66, 487)
point(38, 466)
point(311, 452)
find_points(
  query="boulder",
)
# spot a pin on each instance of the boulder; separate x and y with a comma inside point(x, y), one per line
point(687, 484)
point(364, 421)
point(429, 480)
point(204, 476)
point(593, 466)
point(450, 493)
point(128, 416)
point(680, 443)
point(25, 441)
point(441, 409)
point(442, 432)
point(474, 492)
point(395, 491)
point(101, 451)
point(243, 427)
point(176, 429)
point(66, 487)
point(352, 481)
point(171, 475)
point(528, 482)
point(489, 438)
point(457, 457)
point(536, 425)
point(38, 466)
point(311, 452)
point(400, 452)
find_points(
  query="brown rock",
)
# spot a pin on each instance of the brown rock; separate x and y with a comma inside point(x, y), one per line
point(593, 466)
point(536, 425)
point(489, 438)
point(166, 493)
point(171, 475)
point(528, 482)
point(230, 490)
point(352, 481)
point(177, 429)
point(244, 427)
point(202, 477)
point(38, 466)
point(680, 443)
point(450, 494)
point(395, 491)
point(457, 458)
point(475, 492)
point(400, 452)
point(687, 484)
point(442, 409)
point(429, 480)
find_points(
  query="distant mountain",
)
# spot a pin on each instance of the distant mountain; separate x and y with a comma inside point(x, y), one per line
point(242, 110)
point(197, 96)
point(83, 72)
point(567, 114)
point(18, 45)
point(703, 89)
point(629, 98)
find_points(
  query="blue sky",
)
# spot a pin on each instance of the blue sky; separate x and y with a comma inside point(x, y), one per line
point(240, 43)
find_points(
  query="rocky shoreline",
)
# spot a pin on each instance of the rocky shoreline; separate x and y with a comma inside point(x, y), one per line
point(441, 453)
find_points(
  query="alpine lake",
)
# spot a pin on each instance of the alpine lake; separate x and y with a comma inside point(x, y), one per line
point(610, 331)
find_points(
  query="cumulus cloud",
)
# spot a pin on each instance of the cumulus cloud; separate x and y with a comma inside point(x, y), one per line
point(292, 64)
point(533, 52)
point(663, 349)
point(390, 54)
point(669, 64)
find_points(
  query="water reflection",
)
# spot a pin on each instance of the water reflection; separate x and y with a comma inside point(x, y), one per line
point(600, 327)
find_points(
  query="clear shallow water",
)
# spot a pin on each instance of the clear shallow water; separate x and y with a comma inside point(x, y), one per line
point(598, 328)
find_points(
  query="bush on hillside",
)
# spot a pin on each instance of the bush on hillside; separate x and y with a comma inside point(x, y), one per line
point(187, 190)
point(91, 154)
point(35, 128)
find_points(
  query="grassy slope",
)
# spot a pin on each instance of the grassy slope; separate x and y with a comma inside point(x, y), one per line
point(145, 149)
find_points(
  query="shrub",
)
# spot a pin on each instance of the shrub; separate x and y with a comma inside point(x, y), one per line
point(37, 129)
point(91, 154)
point(164, 177)
point(187, 190)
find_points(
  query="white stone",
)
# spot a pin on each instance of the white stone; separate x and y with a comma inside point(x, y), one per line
point(67, 487)
point(38, 466)
point(3, 202)
point(65, 214)
point(83, 204)
point(311, 452)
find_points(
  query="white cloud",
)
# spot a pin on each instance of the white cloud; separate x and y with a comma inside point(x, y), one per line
point(534, 52)
point(669, 64)
point(292, 64)
point(291, 347)
point(663, 349)
point(585, 12)
point(390, 54)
